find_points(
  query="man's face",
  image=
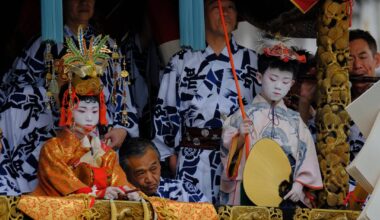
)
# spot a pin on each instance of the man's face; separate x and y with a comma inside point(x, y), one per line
point(213, 21)
point(79, 11)
point(144, 172)
point(276, 84)
point(86, 114)
point(362, 62)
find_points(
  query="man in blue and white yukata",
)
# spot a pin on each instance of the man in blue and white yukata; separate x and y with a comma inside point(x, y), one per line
point(27, 119)
point(197, 91)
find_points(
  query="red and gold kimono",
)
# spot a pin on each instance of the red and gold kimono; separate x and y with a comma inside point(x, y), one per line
point(62, 170)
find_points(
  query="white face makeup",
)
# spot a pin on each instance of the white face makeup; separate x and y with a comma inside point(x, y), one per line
point(87, 114)
point(276, 84)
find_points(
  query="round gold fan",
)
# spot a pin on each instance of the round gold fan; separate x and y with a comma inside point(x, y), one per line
point(266, 168)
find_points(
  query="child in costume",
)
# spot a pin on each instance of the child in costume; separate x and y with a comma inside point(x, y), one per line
point(268, 117)
point(76, 160)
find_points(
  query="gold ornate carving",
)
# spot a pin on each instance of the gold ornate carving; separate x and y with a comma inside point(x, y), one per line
point(302, 214)
point(323, 214)
point(88, 214)
point(224, 212)
point(333, 95)
point(275, 213)
point(249, 212)
point(8, 208)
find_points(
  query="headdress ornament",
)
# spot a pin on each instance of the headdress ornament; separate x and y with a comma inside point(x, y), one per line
point(275, 46)
point(81, 67)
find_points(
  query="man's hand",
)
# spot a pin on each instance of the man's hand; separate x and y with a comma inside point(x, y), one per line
point(296, 193)
point(116, 137)
point(113, 192)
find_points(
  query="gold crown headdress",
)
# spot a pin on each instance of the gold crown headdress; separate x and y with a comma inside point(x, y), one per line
point(87, 64)
point(85, 61)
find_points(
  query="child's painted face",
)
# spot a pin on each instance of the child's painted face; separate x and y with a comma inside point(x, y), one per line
point(276, 84)
point(87, 114)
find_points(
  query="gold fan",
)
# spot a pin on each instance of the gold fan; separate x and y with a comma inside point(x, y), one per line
point(266, 168)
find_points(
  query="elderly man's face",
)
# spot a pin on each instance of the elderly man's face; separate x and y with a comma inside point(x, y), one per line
point(362, 62)
point(144, 172)
point(213, 21)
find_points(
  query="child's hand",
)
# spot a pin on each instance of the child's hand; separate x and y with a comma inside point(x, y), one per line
point(245, 127)
point(296, 193)
point(113, 192)
point(132, 194)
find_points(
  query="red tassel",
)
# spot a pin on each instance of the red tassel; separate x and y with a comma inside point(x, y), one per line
point(102, 110)
point(69, 120)
point(73, 103)
point(350, 12)
point(62, 118)
point(68, 102)
point(74, 98)
point(84, 190)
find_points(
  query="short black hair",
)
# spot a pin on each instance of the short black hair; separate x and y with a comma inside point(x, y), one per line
point(265, 62)
point(135, 147)
point(356, 34)
point(304, 68)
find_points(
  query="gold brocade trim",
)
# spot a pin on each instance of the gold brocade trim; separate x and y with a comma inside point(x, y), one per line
point(163, 210)
point(45, 207)
point(173, 210)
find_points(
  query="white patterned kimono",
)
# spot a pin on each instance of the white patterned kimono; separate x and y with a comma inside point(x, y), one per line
point(288, 130)
point(197, 90)
point(26, 120)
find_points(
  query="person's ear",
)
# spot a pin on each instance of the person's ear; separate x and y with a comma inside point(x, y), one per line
point(159, 165)
point(377, 60)
point(259, 77)
point(292, 83)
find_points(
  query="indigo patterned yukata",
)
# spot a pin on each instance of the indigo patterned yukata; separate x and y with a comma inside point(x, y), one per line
point(198, 91)
point(288, 130)
point(180, 191)
point(27, 121)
